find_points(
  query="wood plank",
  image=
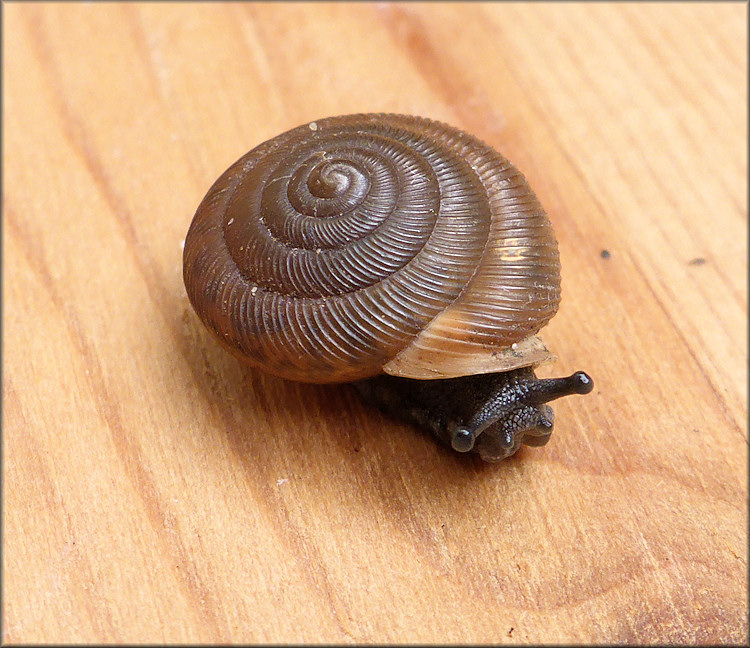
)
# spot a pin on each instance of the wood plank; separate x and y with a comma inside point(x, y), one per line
point(156, 490)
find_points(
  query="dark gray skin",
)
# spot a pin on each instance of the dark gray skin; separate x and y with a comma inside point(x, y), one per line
point(489, 414)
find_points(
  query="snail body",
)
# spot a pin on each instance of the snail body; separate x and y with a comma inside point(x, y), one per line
point(368, 245)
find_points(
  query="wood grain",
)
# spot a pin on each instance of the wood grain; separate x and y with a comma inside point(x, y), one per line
point(155, 490)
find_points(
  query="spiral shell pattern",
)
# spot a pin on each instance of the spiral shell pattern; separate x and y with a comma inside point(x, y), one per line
point(368, 241)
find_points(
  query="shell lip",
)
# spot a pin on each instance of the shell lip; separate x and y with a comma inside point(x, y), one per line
point(423, 365)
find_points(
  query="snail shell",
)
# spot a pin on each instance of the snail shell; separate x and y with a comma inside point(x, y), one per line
point(373, 243)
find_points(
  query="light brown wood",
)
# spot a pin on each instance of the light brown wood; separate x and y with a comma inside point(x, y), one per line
point(155, 490)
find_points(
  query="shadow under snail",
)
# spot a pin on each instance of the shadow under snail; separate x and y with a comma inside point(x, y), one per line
point(395, 252)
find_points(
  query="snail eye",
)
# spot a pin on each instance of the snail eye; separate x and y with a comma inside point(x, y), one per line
point(462, 440)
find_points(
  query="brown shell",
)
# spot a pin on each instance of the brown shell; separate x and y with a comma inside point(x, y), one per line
point(367, 243)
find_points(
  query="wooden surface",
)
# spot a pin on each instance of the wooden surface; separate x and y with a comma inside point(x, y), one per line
point(156, 490)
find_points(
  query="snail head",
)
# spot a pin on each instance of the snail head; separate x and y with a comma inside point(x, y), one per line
point(516, 413)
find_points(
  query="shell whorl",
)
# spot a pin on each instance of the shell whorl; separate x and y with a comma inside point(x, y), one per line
point(368, 241)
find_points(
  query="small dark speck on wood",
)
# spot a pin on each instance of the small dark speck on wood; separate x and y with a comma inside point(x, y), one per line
point(697, 261)
point(605, 254)
point(510, 632)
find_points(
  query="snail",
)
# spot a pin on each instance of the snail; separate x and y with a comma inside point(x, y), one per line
point(394, 252)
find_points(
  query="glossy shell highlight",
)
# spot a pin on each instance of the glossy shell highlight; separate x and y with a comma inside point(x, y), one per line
point(367, 243)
